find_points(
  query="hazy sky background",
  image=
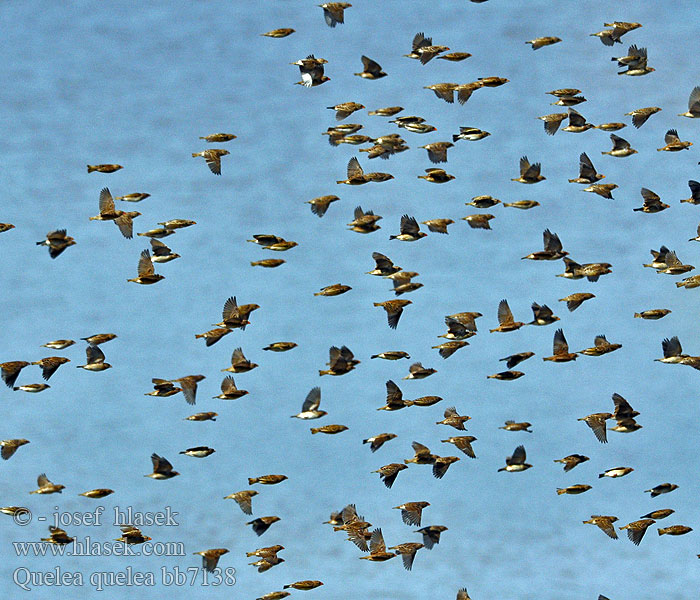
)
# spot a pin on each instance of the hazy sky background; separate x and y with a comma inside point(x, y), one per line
point(99, 82)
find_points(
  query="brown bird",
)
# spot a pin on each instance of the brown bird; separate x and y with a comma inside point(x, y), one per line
point(640, 115)
point(571, 461)
point(389, 473)
point(436, 176)
point(163, 388)
point(505, 319)
point(244, 500)
point(621, 147)
point(431, 535)
point(447, 349)
point(411, 512)
point(103, 168)
point(304, 585)
point(364, 222)
point(553, 249)
point(239, 363)
point(311, 70)
point(441, 464)
point(652, 202)
point(58, 536)
point(50, 364)
point(454, 419)
point(394, 309)
point(234, 316)
point(95, 359)
point(596, 422)
point(516, 462)
point(378, 441)
point(663, 488)
point(320, 205)
point(202, 416)
point(108, 212)
point(513, 426)
point(377, 548)
point(540, 42)
point(57, 241)
point(10, 371)
point(410, 230)
point(229, 391)
point(574, 489)
point(408, 553)
point(604, 523)
point(673, 142)
point(344, 110)
point(329, 429)
point(146, 272)
point(602, 189)
point(46, 487)
point(437, 151)
point(515, 359)
point(97, 493)
point(262, 524)
point(189, 387)
point(213, 158)
point(334, 12)
point(394, 397)
point(356, 175)
point(370, 69)
point(341, 361)
point(267, 479)
point(529, 173)
point(9, 447)
point(577, 122)
point(463, 443)
point(418, 371)
point(227, 137)
point(587, 173)
point(600, 346)
point(162, 469)
point(210, 558)
point(575, 300)
point(637, 529)
point(422, 455)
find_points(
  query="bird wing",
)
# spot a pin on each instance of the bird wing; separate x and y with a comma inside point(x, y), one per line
point(376, 542)
point(126, 225)
point(354, 169)
point(694, 100)
point(505, 316)
point(586, 168)
point(618, 142)
point(518, 457)
point(145, 268)
point(228, 385)
point(313, 400)
point(393, 393)
point(106, 201)
point(671, 137)
point(409, 225)
point(94, 355)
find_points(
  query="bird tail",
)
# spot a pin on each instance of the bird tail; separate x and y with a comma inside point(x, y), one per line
point(315, 430)
point(561, 491)
point(91, 168)
point(252, 480)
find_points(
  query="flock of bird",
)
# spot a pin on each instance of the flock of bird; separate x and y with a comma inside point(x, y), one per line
point(461, 326)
